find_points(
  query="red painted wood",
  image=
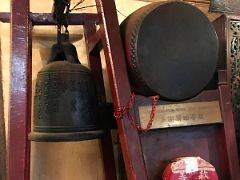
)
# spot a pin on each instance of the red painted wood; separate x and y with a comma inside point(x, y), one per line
point(18, 155)
point(220, 27)
point(222, 76)
point(74, 19)
point(94, 59)
point(96, 69)
point(161, 146)
point(2, 128)
point(47, 18)
point(20, 93)
point(5, 17)
point(215, 142)
point(229, 128)
point(120, 88)
point(108, 156)
point(94, 41)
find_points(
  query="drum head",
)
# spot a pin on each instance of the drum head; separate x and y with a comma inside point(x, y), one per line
point(176, 50)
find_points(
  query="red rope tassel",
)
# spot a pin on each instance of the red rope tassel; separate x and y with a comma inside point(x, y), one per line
point(121, 111)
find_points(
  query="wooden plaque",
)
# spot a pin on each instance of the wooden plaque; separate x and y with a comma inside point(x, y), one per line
point(182, 114)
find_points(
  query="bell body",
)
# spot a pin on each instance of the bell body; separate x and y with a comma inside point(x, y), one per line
point(65, 104)
point(171, 50)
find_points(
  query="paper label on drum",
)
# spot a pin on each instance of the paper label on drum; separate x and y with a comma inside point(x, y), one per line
point(182, 114)
point(191, 164)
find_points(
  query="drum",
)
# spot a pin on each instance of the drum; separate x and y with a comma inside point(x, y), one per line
point(171, 50)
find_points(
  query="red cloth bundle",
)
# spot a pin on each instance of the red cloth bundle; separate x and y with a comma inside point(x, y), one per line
point(190, 168)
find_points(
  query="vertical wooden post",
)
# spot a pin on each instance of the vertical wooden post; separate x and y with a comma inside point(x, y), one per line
point(20, 93)
point(120, 88)
point(96, 68)
point(2, 128)
point(94, 59)
point(229, 128)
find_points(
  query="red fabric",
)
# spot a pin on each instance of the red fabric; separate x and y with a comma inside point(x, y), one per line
point(190, 168)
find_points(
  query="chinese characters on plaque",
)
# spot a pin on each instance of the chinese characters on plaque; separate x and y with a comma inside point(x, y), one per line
point(182, 114)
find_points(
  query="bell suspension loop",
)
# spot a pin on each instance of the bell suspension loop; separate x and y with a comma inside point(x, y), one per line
point(61, 15)
point(59, 38)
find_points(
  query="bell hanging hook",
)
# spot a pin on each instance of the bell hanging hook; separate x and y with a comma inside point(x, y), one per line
point(61, 9)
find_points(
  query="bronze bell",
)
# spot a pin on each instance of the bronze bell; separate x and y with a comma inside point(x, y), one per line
point(65, 101)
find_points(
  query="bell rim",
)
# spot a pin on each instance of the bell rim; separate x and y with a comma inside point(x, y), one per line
point(65, 137)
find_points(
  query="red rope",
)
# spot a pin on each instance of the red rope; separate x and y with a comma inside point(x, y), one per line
point(121, 111)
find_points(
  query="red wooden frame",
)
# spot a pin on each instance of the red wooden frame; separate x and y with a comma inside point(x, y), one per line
point(2, 127)
point(18, 154)
point(18, 157)
point(96, 69)
point(47, 18)
point(131, 140)
point(120, 88)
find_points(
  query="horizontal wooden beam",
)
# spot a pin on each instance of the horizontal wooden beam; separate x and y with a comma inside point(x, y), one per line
point(5, 17)
point(47, 18)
